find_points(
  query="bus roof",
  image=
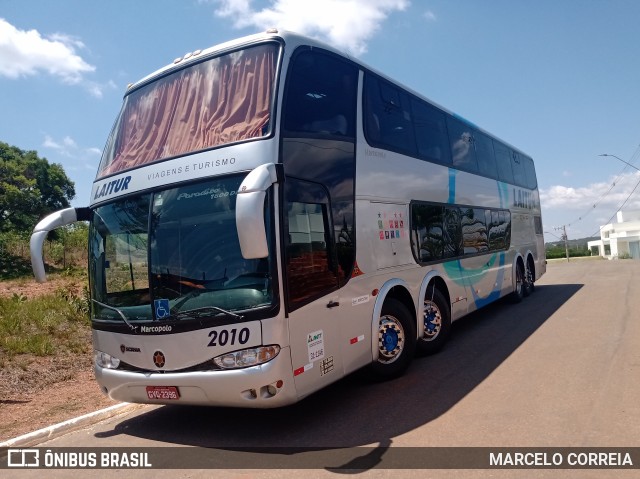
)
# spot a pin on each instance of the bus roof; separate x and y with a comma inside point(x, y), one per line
point(293, 40)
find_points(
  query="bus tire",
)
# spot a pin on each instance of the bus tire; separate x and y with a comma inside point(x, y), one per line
point(529, 283)
point(396, 340)
point(437, 322)
point(518, 292)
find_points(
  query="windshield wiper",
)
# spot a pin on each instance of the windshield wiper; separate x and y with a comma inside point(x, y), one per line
point(124, 318)
point(204, 311)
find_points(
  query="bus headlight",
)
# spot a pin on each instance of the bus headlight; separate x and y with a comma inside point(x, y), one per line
point(105, 360)
point(247, 357)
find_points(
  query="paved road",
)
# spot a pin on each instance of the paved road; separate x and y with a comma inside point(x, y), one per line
point(559, 369)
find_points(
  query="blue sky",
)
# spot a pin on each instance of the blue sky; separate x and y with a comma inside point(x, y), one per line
point(560, 79)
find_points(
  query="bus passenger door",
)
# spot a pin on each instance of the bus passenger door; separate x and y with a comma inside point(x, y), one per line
point(311, 274)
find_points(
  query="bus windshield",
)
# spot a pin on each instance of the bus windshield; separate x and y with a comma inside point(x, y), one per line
point(218, 101)
point(162, 255)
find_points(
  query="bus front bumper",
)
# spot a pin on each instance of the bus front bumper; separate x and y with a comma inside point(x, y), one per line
point(265, 386)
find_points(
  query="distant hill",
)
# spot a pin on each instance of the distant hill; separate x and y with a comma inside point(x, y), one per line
point(572, 243)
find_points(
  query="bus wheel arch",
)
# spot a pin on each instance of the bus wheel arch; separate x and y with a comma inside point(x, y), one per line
point(393, 331)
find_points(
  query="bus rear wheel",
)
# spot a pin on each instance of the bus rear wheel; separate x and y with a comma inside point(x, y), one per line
point(518, 292)
point(529, 283)
point(437, 322)
point(396, 340)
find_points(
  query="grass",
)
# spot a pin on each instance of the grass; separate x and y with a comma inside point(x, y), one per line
point(43, 326)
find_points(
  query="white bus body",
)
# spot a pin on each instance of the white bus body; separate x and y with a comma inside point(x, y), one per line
point(309, 223)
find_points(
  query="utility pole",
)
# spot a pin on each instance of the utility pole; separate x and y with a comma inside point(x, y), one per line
point(564, 237)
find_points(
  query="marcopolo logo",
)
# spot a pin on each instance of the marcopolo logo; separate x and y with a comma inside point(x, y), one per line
point(165, 328)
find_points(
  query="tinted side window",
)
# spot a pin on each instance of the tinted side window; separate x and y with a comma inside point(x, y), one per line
point(474, 231)
point(431, 132)
point(310, 262)
point(462, 150)
point(537, 222)
point(496, 235)
point(530, 172)
point(321, 95)
point(427, 232)
point(505, 220)
point(444, 232)
point(503, 162)
point(485, 155)
point(519, 175)
point(499, 230)
point(452, 232)
point(388, 117)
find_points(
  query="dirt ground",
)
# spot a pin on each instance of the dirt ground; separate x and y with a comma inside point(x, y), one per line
point(26, 406)
point(30, 288)
point(36, 392)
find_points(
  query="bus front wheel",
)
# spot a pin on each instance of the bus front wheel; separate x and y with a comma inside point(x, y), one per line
point(396, 340)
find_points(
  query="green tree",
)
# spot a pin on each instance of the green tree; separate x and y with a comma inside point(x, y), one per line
point(30, 187)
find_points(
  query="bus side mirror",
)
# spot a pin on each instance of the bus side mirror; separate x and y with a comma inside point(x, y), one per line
point(40, 232)
point(250, 211)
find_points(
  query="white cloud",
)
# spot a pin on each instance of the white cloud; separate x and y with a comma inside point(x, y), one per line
point(603, 194)
point(347, 24)
point(66, 147)
point(586, 208)
point(26, 53)
point(430, 16)
point(72, 155)
point(94, 151)
point(98, 89)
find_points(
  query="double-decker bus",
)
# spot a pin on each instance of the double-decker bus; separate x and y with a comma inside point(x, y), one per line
point(270, 215)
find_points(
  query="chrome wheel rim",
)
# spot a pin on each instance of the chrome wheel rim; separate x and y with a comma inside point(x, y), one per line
point(390, 339)
point(432, 321)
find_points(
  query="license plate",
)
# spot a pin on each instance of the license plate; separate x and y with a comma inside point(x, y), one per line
point(162, 392)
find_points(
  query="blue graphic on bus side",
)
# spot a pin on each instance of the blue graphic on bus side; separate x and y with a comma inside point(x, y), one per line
point(452, 186)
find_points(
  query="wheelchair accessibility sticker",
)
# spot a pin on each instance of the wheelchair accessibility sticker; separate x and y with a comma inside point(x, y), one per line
point(161, 307)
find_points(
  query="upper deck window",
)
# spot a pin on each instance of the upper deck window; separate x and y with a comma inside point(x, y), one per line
point(218, 101)
point(321, 96)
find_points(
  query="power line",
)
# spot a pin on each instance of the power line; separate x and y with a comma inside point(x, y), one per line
point(614, 214)
point(634, 157)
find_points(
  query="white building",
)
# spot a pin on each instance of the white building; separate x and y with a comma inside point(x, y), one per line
point(621, 239)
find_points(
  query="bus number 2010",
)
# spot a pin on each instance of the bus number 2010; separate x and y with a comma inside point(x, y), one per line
point(224, 337)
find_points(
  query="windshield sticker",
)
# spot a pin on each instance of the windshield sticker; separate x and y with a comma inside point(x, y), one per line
point(161, 307)
point(212, 192)
point(315, 345)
